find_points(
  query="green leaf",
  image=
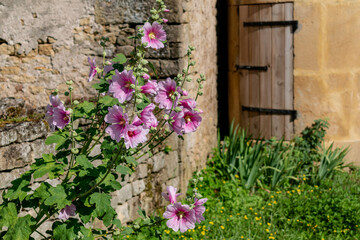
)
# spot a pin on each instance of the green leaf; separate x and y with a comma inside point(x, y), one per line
point(103, 207)
point(8, 215)
point(131, 160)
point(123, 170)
point(58, 197)
point(154, 70)
point(84, 162)
point(42, 192)
point(103, 86)
point(117, 223)
point(47, 164)
point(21, 229)
point(120, 58)
point(55, 139)
point(108, 101)
point(85, 108)
point(87, 233)
point(19, 188)
point(64, 231)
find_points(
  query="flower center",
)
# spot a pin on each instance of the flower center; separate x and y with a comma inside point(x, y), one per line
point(127, 84)
point(187, 119)
point(131, 133)
point(171, 93)
point(122, 122)
point(180, 214)
point(152, 35)
point(66, 118)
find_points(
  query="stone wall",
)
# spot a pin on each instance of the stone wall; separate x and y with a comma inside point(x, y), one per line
point(43, 45)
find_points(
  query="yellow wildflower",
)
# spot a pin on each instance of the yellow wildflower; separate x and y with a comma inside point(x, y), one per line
point(222, 227)
point(212, 223)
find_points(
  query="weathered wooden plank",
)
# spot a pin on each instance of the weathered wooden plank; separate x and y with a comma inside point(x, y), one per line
point(289, 61)
point(233, 59)
point(278, 73)
point(254, 76)
point(265, 77)
point(243, 60)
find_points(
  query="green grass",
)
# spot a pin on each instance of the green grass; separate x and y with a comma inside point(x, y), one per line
point(303, 211)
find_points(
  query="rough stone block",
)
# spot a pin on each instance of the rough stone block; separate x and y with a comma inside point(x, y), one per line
point(7, 135)
point(46, 49)
point(15, 155)
point(172, 166)
point(159, 162)
point(138, 187)
point(170, 68)
point(123, 212)
point(142, 171)
point(39, 147)
point(134, 204)
point(122, 195)
point(7, 177)
point(29, 131)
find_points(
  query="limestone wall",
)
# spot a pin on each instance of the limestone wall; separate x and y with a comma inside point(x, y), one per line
point(43, 45)
point(327, 68)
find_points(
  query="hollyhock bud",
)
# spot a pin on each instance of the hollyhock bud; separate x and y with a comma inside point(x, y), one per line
point(166, 10)
point(93, 70)
point(171, 194)
point(146, 76)
point(165, 20)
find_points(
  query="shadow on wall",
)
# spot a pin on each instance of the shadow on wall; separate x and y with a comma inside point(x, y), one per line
point(222, 78)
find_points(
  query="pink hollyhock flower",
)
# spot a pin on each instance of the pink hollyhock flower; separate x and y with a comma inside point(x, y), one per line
point(147, 116)
point(146, 76)
point(92, 69)
point(192, 120)
point(151, 87)
point(184, 93)
point(135, 135)
point(199, 209)
point(54, 103)
point(189, 103)
point(171, 194)
point(67, 211)
point(166, 90)
point(177, 122)
point(120, 86)
point(165, 20)
point(153, 35)
point(61, 117)
point(180, 217)
point(119, 121)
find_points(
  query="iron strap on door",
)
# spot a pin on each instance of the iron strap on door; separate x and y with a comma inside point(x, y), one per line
point(294, 24)
point(255, 68)
point(293, 113)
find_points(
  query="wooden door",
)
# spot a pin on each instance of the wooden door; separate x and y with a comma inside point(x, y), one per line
point(261, 68)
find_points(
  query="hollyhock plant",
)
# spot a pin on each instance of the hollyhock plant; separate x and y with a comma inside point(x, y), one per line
point(61, 117)
point(192, 120)
point(151, 87)
point(54, 103)
point(177, 122)
point(135, 135)
point(188, 103)
point(180, 217)
point(199, 209)
point(147, 116)
point(120, 86)
point(171, 194)
point(154, 35)
point(166, 92)
point(93, 70)
point(67, 211)
point(119, 121)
